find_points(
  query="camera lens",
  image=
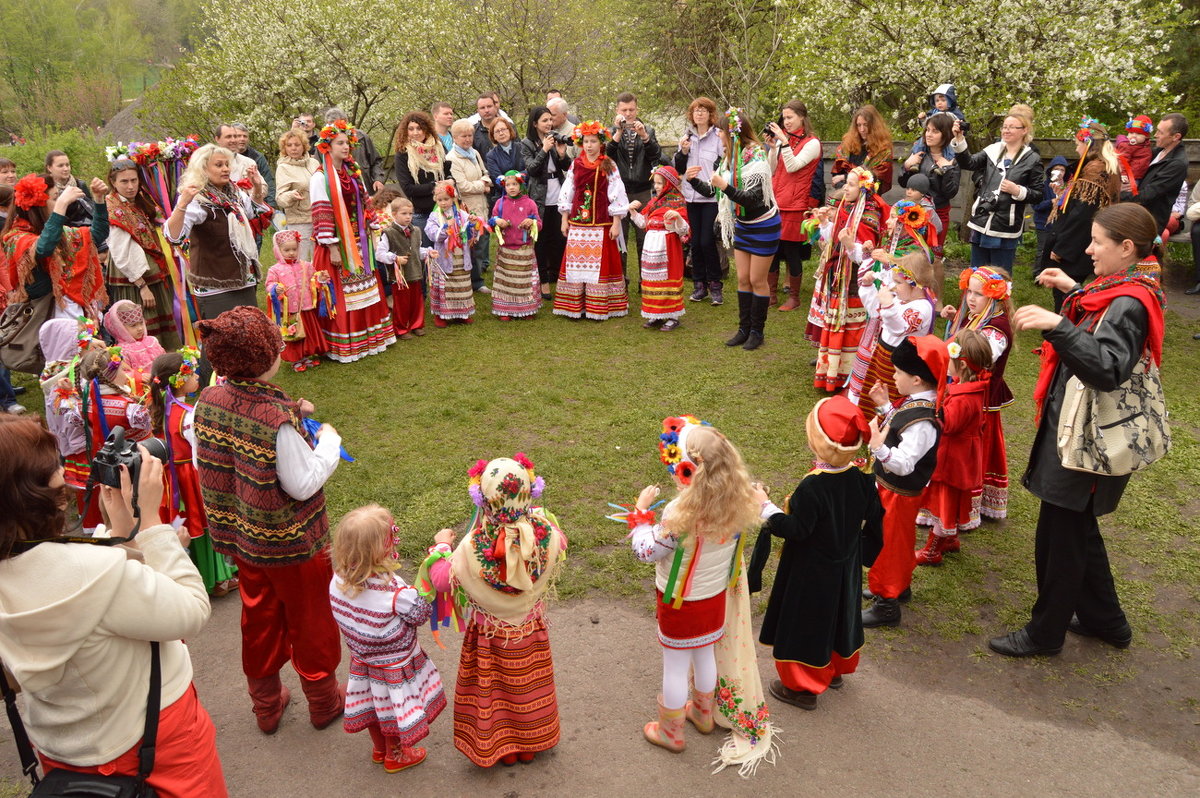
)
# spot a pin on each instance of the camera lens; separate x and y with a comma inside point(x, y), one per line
point(157, 448)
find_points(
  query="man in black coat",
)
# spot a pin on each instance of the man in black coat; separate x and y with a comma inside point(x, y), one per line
point(636, 152)
point(1159, 188)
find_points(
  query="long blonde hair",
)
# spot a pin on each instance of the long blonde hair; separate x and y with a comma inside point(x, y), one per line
point(362, 547)
point(719, 502)
point(196, 173)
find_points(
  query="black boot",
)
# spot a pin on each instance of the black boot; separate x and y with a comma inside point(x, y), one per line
point(884, 612)
point(759, 305)
point(743, 333)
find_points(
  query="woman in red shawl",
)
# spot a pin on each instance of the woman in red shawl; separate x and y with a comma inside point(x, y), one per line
point(1105, 330)
point(360, 323)
point(836, 317)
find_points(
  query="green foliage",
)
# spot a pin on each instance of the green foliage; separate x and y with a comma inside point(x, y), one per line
point(86, 150)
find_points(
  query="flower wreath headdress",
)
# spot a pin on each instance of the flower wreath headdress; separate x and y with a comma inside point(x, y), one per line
point(332, 131)
point(733, 120)
point(672, 446)
point(87, 333)
point(591, 128)
point(191, 364)
point(866, 178)
point(115, 359)
point(474, 486)
point(995, 285)
point(1090, 130)
point(30, 192)
point(910, 214)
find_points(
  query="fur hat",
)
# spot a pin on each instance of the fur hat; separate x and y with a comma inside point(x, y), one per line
point(241, 343)
point(925, 357)
point(836, 429)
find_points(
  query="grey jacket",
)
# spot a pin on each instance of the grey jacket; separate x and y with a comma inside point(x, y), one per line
point(1103, 359)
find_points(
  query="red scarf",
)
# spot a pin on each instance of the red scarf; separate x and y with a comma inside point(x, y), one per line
point(589, 205)
point(1092, 300)
point(669, 199)
point(129, 216)
point(77, 276)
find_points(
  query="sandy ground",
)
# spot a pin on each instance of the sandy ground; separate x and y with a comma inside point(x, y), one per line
point(896, 729)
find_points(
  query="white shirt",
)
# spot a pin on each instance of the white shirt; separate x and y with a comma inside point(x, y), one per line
point(302, 469)
point(618, 202)
point(915, 441)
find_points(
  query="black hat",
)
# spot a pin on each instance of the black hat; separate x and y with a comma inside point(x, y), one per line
point(919, 182)
point(906, 358)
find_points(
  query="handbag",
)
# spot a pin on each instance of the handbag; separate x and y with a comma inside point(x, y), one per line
point(61, 783)
point(1114, 433)
point(19, 326)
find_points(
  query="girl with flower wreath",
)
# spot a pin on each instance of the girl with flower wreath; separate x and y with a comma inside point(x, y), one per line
point(662, 250)
point(836, 317)
point(109, 400)
point(495, 583)
point(987, 307)
point(359, 324)
point(515, 289)
point(43, 256)
point(453, 233)
point(702, 599)
point(749, 221)
point(951, 499)
point(591, 281)
point(174, 377)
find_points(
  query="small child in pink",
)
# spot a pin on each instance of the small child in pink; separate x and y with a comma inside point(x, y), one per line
point(295, 291)
point(127, 325)
point(516, 292)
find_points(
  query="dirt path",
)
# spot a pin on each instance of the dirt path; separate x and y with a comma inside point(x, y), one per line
point(969, 726)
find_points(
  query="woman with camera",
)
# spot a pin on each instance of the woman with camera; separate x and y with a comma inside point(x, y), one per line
point(78, 645)
point(1010, 175)
point(546, 164)
point(794, 156)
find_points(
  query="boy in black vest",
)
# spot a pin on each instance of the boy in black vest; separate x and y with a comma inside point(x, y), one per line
point(904, 439)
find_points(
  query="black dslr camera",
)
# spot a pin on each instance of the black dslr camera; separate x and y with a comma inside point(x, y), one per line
point(560, 138)
point(117, 452)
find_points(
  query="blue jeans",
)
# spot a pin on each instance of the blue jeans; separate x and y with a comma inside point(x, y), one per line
point(991, 251)
point(7, 397)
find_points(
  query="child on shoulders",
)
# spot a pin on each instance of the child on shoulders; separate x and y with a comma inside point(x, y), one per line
point(942, 100)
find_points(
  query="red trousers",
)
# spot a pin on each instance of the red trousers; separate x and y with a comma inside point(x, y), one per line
point(408, 307)
point(801, 677)
point(286, 615)
point(185, 757)
point(893, 569)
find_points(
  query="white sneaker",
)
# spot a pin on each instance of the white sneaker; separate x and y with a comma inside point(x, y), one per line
point(15, 409)
point(484, 290)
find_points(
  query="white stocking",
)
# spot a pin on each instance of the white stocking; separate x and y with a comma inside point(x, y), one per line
point(676, 663)
point(704, 668)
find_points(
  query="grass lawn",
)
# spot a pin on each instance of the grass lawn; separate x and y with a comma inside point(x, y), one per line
point(585, 401)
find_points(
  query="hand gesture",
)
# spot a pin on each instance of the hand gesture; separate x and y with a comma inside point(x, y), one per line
point(647, 497)
point(324, 428)
point(1056, 278)
point(877, 435)
point(941, 162)
point(150, 491)
point(501, 224)
point(636, 205)
point(949, 312)
point(880, 254)
point(685, 145)
point(846, 237)
point(306, 407)
point(867, 277)
point(402, 260)
point(445, 535)
point(1009, 187)
point(886, 297)
point(761, 492)
point(776, 131)
point(323, 276)
point(879, 394)
point(1035, 317)
point(957, 129)
point(526, 224)
point(186, 195)
point(912, 161)
point(719, 181)
point(547, 143)
point(672, 217)
point(335, 255)
point(65, 197)
point(99, 189)
point(692, 173)
point(251, 171)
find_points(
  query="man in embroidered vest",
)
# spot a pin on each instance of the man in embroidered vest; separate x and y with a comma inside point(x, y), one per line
point(261, 481)
point(904, 441)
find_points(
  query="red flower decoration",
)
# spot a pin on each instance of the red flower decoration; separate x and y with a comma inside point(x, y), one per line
point(30, 192)
point(245, 184)
point(964, 278)
point(673, 424)
point(477, 469)
point(523, 461)
point(684, 471)
point(994, 289)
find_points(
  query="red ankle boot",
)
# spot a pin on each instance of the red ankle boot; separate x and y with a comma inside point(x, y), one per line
point(270, 698)
point(326, 700)
point(400, 758)
point(935, 547)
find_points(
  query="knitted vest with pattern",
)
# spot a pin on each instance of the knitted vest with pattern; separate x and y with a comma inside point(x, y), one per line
point(912, 411)
point(249, 514)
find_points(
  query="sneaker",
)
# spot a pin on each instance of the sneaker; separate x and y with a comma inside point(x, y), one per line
point(668, 325)
point(717, 292)
point(483, 289)
point(700, 293)
point(14, 409)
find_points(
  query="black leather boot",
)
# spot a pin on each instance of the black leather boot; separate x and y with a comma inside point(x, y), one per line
point(759, 305)
point(884, 612)
point(739, 338)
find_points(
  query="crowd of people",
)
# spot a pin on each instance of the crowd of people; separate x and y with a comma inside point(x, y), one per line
point(358, 252)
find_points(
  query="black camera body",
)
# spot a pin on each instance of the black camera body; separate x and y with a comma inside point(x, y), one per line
point(988, 202)
point(560, 138)
point(117, 452)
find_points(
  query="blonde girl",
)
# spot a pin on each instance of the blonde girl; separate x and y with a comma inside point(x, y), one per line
point(394, 691)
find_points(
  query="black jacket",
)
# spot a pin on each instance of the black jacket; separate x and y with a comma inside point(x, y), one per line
point(1160, 186)
point(368, 159)
point(943, 180)
point(994, 212)
point(754, 205)
point(635, 169)
point(419, 191)
point(537, 162)
point(482, 142)
point(1103, 359)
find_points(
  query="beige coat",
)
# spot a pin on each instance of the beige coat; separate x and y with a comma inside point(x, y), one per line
point(291, 190)
point(472, 181)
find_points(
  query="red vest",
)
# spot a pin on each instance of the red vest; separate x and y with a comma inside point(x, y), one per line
point(793, 190)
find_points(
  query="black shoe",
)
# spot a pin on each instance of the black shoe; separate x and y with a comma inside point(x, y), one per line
point(738, 338)
point(759, 307)
point(884, 612)
point(753, 341)
point(1195, 289)
point(836, 683)
point(700, 293)
point(1019, 644)
point(18, 390)
point(903, 598)
point(650, 324)
point(797, 698)
point(1120, 638)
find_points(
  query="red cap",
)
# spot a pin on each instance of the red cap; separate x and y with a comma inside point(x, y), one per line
point(933, 352)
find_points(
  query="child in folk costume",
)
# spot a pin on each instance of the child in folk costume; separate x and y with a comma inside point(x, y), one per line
point(174, 377)
point(952, 498)
point(505, 707)
point(836, 318)
point(987, 307)
point(662, 252)
point(359, 323)
point(1136, 149)
point(126, 323)
point(701, 592)
point(453, 232)
point(297, 293)
point(399, 250)
point(899, 303)
point(831, 528)
point(591, 281)
point(515, 290)
point(904, 441)
point(394, 691)
point(110, 399)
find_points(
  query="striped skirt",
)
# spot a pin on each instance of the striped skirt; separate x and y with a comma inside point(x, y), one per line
point(872, 364)
point(516, 290)
point(757, 238)
point(362, 325)
point(403, 698)
point(450, 295)
point(504, 701)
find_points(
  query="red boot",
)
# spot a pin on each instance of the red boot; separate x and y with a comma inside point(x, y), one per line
point(400, 758)
point(270, 698)
point(326, 700)
point(935, 547)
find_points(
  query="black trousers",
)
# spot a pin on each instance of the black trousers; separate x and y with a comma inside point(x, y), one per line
point(795, 253)
point(1196, 252)
point(706, 263)
point(548, 249)
point(1073, 576)
point(639, 235)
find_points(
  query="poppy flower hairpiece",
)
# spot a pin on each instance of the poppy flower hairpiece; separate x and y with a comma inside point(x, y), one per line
point(866, 178)
point(332, 131)
point(30, 192)
point(995, 285)
point(191, 363)
point(591, 128)
point(671, 446)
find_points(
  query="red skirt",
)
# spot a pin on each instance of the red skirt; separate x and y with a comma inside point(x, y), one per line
point(191, 504)
point(362, 325)
point(313, 342)
point(953, 509)
point(694, 625)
